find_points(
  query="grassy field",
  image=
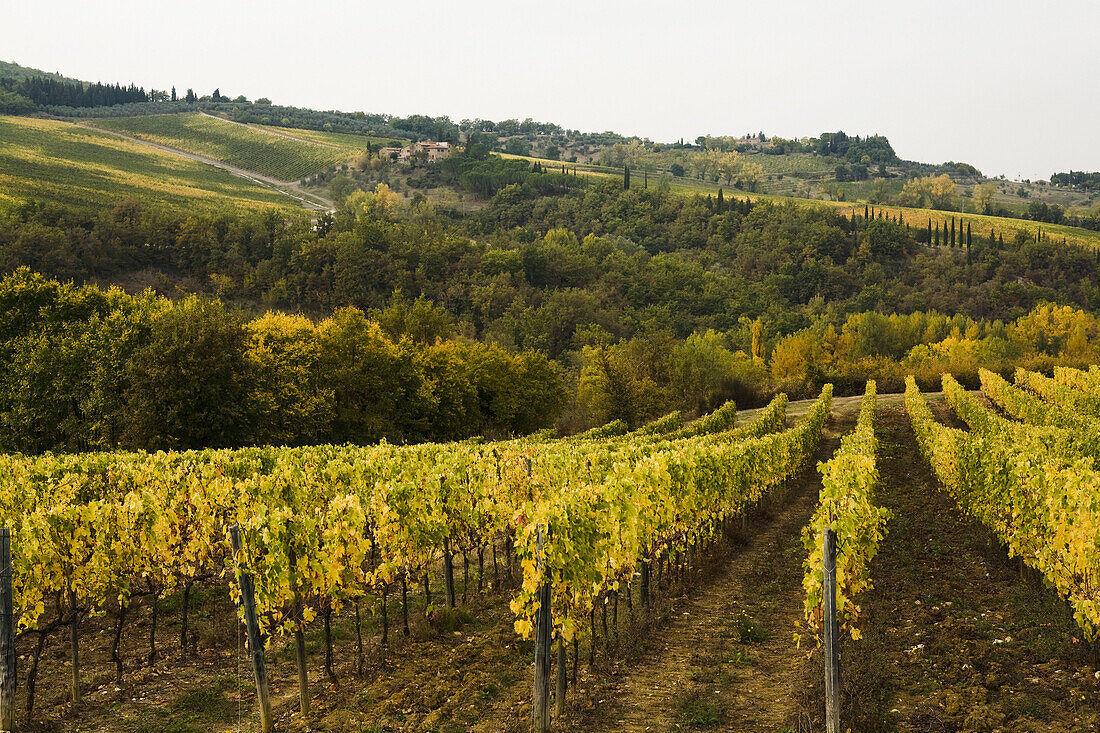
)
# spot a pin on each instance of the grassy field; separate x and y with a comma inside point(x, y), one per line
point(347, 140)
point(74, 165)
point(238, 145)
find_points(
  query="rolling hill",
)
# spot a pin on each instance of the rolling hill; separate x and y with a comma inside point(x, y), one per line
point(78, 166)
point(267, 153)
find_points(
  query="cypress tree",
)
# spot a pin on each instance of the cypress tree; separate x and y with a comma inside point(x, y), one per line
point(645, 179)
point(992, 238)
point(173, 93)
point(721, 202)
point(626, 177)
point(865, 217)
point(968, 240)
point(952, 231)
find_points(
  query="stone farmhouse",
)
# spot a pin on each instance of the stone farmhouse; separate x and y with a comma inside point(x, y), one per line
point(435, 151)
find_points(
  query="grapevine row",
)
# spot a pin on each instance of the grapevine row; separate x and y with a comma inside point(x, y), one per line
point(326, 526)
point(597, 534)
point(1043, 503)
point(846, 504)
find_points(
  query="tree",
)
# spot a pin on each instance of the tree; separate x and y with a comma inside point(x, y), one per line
point(942, 192)
point(626, 177)
point(377, 389)
point(750, 175)
point(729, 166)
point(186, 384)
point(677, 170)
point(190, 98)
point(517, 146)
point(286, 400)
point(982, 197)
point(173, 93)
point(217, 95)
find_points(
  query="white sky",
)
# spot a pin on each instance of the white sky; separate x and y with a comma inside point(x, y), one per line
point(1009, 86)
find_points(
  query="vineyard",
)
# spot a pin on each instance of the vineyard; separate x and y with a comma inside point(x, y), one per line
point(562, 549)
point(979, 225)
point(238, 145)
point(72, 164)
point(1034, 483)
point(350, 141)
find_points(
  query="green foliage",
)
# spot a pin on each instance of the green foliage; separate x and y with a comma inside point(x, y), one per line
point(87, 369)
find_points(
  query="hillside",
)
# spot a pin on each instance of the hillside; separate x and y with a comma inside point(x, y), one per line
point(270, 154)
point(831, 167)
point(70, 164)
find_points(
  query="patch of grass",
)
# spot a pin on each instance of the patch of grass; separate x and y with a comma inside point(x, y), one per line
point(208, 703)
point(744, 630)
point(695, 711)
point(740, 658)
point(175, 725)
point(1026, 706)
point(449, 620)
point(229, 683)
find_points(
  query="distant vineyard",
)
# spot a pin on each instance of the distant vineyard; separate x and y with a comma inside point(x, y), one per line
point(238, 145)
point(352, 142)
point(980, 226)
point(71, 164)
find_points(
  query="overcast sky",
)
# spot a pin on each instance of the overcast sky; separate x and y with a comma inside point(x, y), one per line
point(1012, 87)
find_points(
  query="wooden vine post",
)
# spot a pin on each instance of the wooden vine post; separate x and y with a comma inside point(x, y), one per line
point(562, 678)
point(832, 634)
point(255, 643)
point(543, 634)
point(7, 636)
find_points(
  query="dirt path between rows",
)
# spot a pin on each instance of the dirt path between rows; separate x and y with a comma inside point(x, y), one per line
point(727, 659)
point(958, 640)
point(308, 200)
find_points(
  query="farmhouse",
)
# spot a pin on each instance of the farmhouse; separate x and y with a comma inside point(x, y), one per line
point(434, 151)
